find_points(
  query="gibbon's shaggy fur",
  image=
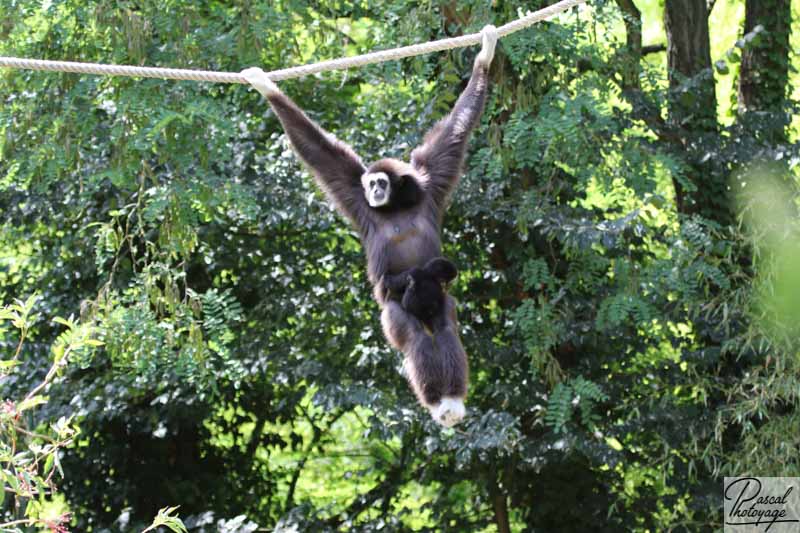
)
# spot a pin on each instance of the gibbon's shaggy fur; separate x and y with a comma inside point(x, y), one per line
point(397, 209)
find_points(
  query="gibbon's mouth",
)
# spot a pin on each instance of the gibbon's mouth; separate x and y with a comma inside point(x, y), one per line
point(378, 199)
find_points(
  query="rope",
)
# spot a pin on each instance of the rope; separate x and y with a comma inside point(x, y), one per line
point(294, 72)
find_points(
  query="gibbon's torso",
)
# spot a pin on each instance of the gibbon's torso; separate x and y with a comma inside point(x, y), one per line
point(408, 237)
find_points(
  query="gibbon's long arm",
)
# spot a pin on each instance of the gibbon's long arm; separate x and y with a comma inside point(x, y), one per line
point(335, 165)
point(441, 155)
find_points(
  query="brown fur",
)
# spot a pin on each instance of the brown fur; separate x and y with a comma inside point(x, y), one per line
point(404, 234)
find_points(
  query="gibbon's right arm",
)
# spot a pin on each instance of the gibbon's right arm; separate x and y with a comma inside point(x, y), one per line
point(335, 165)
point(441, 155)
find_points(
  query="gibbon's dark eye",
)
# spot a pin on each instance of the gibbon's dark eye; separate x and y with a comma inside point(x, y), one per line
point(371, 183)
point(382, 183)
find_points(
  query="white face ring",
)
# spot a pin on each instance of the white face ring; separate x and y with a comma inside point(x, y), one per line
point(376, 196)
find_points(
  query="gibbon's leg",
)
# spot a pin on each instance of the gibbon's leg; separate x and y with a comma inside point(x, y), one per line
point(451, 353)
point(426, 373)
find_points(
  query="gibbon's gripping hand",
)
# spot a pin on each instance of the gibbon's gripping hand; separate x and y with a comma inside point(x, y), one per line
point(395, 283)
point(490, 36)
point(259, 80)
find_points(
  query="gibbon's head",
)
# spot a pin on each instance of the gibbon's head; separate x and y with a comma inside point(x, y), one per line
point(390, 183)
point(425, 288)
point(377, 188)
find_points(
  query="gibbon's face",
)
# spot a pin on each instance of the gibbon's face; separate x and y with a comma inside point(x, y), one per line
point(377, 188)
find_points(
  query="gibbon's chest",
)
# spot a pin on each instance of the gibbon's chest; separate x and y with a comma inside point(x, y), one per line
point(409, 242)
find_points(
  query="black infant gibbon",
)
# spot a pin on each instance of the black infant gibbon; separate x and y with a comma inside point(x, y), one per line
point(397, 209)
point(422, 290)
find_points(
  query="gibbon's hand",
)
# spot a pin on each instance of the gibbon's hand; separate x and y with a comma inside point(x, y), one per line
point(259, 80)
point(490, 36)
point(395, 283)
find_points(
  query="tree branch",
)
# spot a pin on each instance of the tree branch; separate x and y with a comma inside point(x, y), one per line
point(653, 49)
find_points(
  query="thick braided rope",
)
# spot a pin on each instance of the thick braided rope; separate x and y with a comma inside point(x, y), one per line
point(287, 73)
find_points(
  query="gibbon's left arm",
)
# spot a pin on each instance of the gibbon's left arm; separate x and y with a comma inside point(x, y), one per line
point(441, 155)
point(335, 165)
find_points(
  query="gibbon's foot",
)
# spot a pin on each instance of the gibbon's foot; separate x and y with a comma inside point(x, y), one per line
point(259, 80)
point(449, 412)
point(490, 36)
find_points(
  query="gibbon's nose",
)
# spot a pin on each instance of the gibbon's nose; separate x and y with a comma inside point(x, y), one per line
point(378, 194)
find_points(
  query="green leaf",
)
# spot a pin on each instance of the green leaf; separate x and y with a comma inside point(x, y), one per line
point(49, 463)
point(58, 320)
point(7, 365)
point(167, 519)
point(30, 403)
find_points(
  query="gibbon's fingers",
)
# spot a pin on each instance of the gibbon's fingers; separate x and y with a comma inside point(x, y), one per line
point(490, 36)
point(259, 80)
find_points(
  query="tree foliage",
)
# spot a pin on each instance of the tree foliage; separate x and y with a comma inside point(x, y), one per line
point(618, 268)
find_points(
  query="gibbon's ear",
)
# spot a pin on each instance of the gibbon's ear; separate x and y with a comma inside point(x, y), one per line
point(397, 181)
point(441, 269)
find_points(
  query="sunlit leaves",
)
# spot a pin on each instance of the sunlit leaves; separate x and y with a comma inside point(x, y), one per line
point(30, 447)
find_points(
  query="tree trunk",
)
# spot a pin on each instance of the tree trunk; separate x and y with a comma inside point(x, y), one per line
point(501, 512)
point(633, 40)
point(764, 72)
point(499, 501)
point(689, 61)
point(692, 106)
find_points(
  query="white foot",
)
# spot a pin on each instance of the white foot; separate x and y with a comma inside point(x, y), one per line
point(449, 412)
point(259, 80)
